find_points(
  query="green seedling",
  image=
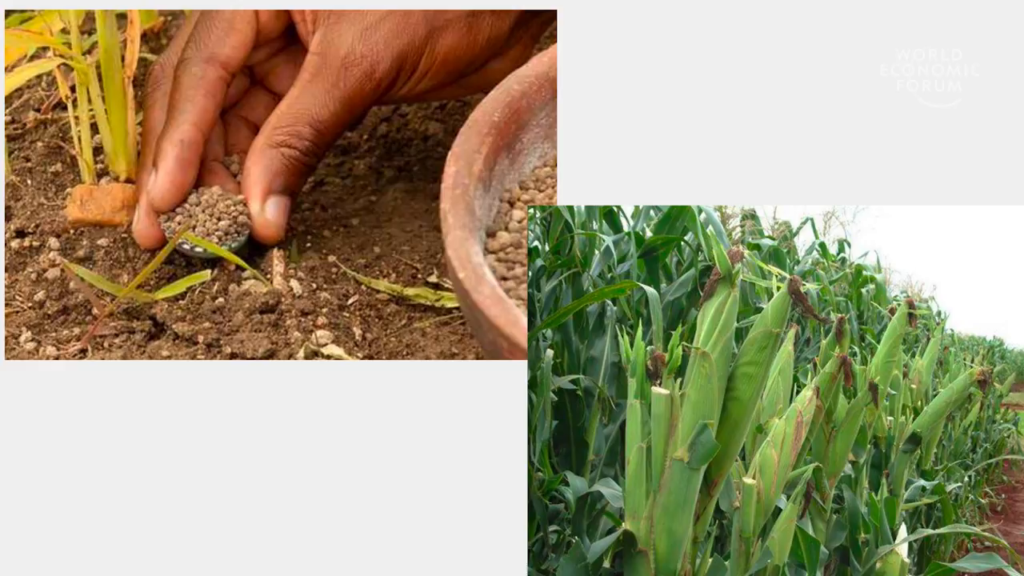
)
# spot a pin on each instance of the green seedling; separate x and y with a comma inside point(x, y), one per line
point(132, 291)
point(225, 254)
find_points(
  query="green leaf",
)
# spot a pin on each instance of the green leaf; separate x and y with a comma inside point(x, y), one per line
point(183, 284)
point(952, 529)
point(971, 564)
point(574, 563)
point(598, 548)
point(601, 294)
point(702, 447)
point(225, 254)
point(612, 492)
point(616, 290)
point(106, 285)
point(808, 550)
point(425, 296)
point(577, 484)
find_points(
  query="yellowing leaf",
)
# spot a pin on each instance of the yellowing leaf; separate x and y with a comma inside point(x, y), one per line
point(150, 20)
point(104, 284)
point(425, 296)
point(47, 21)
point(19, 76)
point(20, 41)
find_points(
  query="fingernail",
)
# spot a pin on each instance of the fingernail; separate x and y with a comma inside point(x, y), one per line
point(276, 209)
point(135, 218)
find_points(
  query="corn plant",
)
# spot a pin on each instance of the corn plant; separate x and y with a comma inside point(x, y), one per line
point(110, 102)
point(708, 400)
point(133, 292)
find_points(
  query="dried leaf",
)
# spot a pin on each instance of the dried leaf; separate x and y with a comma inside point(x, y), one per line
point(335, 351)
point(425, 296)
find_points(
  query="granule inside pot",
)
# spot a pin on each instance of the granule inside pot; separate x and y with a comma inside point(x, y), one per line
point(506, 236)
point(216, 215)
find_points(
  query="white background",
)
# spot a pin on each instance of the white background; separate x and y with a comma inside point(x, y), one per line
point(416, 468)
point(966, 256)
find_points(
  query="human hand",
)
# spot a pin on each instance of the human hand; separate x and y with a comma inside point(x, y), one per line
point(279, 87)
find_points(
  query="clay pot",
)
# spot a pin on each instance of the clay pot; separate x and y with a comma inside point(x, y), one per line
point(512, 131)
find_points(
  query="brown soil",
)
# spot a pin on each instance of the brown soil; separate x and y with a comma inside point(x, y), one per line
point(1008, 519)
point(372, 206)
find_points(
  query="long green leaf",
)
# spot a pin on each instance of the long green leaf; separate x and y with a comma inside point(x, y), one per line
point(225, 254)
point(107, 286)
point(616, 290)
point(183, 284)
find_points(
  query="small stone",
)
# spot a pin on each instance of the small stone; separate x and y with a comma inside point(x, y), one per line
point(296, 287)
point(219, 301)
point(253, 285)
point(53, 244)
point(30, 346)
point(320, 322)
point(15, 243)
point(376, 249)
point(51, 351)
point(39, 296)
point(103, 242)
point(52, 274)
point(322, 338)
point(25, 338)
point(165, 354)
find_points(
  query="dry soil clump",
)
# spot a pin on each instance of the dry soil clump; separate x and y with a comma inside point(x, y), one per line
point(506, 237)
point(216, 215)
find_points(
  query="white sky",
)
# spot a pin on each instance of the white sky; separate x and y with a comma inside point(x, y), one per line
point(971, 255)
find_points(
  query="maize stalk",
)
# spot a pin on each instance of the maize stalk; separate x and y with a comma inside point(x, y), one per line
point(682, 424)
point(745, 385)
point(776, 395)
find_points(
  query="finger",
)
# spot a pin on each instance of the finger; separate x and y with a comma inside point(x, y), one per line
point(325, 98)
point(145, 227)
point(215, 52)
point(517, 50)
point(242, 122)
point(212, 171)
point(272, 78)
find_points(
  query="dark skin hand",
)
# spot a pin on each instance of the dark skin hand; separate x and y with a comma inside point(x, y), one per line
point(279, 87)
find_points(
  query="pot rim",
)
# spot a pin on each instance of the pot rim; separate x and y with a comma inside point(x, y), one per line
point(464, 250)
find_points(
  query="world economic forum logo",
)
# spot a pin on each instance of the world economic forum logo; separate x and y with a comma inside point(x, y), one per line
point(935, 77)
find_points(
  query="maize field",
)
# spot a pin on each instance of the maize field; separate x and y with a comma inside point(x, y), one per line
point(708, 400)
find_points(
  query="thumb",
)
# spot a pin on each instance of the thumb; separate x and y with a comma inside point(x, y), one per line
point(327, 96)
